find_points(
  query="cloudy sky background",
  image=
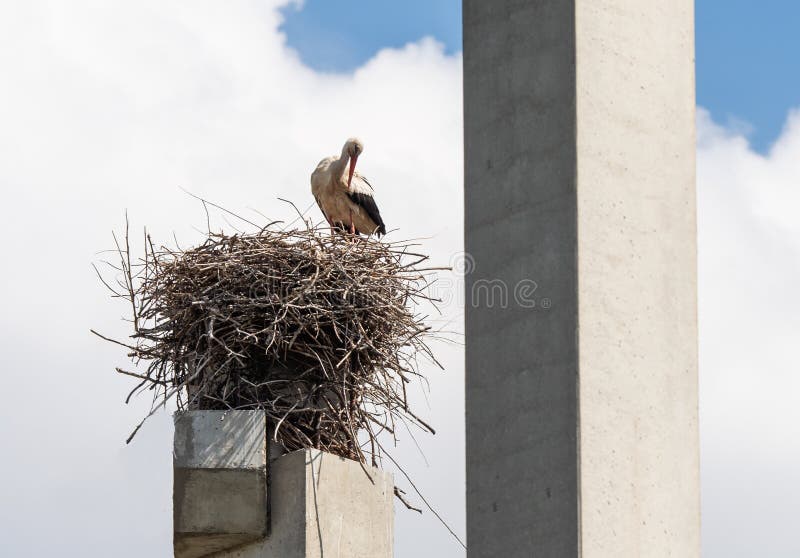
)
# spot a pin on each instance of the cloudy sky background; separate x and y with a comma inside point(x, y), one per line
point(107, 106)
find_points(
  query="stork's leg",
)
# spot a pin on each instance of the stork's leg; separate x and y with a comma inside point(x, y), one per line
point(352, 225)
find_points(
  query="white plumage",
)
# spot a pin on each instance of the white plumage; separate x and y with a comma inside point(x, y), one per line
point(344, 195)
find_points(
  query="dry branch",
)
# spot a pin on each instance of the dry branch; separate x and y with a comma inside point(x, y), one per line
point(318, 331)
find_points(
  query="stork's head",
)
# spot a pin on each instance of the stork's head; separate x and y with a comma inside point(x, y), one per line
point(353, 147)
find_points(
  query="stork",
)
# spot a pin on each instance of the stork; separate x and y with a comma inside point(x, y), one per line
point(346, 202)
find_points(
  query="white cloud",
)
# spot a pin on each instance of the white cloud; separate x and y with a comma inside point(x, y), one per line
point(749, 332)
point(112, 106)
point(106, 106)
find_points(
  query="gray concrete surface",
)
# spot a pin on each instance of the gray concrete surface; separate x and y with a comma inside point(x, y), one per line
point(579, 177)
point(220, 498)
point(237, 495)
point(324, 506)
point(220, 439)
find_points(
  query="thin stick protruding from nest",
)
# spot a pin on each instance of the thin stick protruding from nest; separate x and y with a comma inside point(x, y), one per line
point(318, 331)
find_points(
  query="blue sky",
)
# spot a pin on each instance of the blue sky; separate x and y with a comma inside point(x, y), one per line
point(748, 74)
point(747, 63)
point(340, 36)
point(127, 102)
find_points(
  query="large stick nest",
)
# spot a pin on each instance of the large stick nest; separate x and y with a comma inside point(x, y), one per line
point(318, 331)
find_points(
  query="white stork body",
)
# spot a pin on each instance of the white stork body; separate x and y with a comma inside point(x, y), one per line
point(346, 198)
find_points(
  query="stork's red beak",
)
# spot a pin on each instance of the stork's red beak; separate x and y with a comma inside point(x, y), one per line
point(353, 160)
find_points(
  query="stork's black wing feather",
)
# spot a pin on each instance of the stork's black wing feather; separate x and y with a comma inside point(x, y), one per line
point(367, 203)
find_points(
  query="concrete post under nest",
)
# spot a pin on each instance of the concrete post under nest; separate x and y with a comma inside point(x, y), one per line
point(233, 499)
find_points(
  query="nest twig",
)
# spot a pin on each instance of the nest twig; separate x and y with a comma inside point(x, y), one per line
point(318, 331)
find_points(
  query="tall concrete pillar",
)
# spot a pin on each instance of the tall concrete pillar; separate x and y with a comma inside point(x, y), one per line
point(234, 498)
point(581, 388)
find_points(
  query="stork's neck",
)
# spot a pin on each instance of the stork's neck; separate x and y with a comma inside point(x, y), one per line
point(340, 164)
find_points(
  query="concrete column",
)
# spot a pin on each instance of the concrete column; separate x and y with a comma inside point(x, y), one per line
point(220, 481)
point(232, 499)
point(580, 206)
